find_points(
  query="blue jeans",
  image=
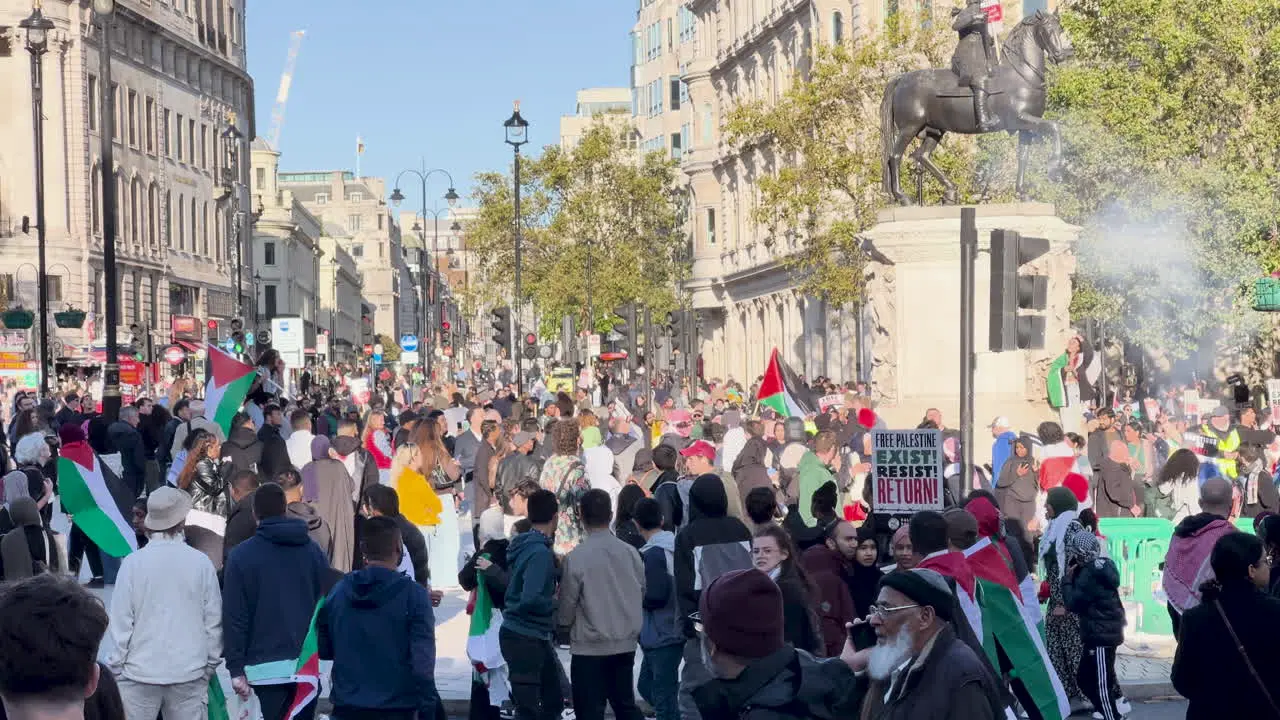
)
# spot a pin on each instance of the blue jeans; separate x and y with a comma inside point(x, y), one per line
point(659, 681)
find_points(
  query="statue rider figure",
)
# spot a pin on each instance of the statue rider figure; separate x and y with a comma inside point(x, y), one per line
point(974, 57)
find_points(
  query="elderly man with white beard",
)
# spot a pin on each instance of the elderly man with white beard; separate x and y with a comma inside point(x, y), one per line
point(918, 667)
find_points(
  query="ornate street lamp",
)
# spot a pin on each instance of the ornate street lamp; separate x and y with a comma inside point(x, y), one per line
point(38, 27)
point(426, 340)
point(517, 134)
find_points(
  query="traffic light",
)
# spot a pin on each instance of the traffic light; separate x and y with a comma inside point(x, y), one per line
point(212, 325)
point(138, 342)
point(502, 327)
point(530, 346)
point(628, 327)
point(237, 336)
point(677, 327)
point(1011, 292)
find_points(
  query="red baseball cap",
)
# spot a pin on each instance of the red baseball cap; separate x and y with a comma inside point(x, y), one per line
point(700, 447)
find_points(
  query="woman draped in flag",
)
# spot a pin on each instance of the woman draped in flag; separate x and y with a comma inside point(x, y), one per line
point(1071, 382)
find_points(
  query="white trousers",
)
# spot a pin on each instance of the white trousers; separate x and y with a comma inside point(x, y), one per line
point(443, 545)
point(143, 701)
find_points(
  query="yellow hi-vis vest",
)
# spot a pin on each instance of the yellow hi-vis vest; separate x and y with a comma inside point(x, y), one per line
point(1227, 444)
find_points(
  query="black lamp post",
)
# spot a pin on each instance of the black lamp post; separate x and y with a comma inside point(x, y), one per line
point(426, 341)
point(105, 9)
point(38, 27)
point(517, 131)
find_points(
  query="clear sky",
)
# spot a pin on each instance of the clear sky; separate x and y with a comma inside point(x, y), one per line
point(429, 79)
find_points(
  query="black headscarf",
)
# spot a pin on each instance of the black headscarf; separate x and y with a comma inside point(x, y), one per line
point(863, 581)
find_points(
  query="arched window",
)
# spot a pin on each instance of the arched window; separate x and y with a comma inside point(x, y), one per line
point(837, 28)
point(122, 203)
point(135, 211)
point(95, 199)
point(182, 222)
point(217, 236)
point(168, 218)
point(192, 228)
point(204, 230)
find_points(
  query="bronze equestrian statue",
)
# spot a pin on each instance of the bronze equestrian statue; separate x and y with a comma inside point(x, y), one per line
point(976, 96)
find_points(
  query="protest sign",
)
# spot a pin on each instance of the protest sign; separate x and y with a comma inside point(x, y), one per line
point(907, 470)
point(827, 402)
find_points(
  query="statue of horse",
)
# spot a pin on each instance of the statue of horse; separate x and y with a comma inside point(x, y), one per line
point(930, 103)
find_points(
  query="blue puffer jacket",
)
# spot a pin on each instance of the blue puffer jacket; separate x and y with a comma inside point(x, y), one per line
point(1092, 591)
point(660, 627)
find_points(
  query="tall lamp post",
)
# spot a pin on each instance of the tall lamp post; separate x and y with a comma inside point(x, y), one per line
point(231, 142)
point(105, 9)
point(397, 197)
point(38, 27)
point(517, 132)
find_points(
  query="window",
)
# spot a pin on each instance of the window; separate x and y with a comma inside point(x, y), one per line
point(150, 119)
point(135, 201)
point(133, 119)
point(191, 142)
point(357, 251)
point(192, 229)
point(353, 223)
point(93, 102)
point(677, 150)
point(269, 300)
point(837, 28)
point(268, 253)
point(153, 214)
point(95, 199)
point(168, 218)
point(675, 92)
point(356, 197)
point(204, 146)
point(322, 198)
point(182, 227)
point(115, 107)
point(53, 286)
point(204, 229)
point(671, 38)
point(164, 141)
point(379, 222)
point(177, 136)
point(711, 226)
point(260, 175)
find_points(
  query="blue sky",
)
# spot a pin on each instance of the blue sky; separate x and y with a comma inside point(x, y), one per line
point(429, 78)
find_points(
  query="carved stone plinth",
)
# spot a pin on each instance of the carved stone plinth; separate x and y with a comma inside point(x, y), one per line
point(914, 315)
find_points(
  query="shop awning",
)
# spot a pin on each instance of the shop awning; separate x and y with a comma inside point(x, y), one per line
point(188, 346)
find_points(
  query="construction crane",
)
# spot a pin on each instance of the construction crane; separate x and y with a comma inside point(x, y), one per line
point(282, 96)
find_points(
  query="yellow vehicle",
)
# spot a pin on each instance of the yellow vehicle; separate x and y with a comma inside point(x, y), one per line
point(561, 380)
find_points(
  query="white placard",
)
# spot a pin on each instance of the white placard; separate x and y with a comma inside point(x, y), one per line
point(907, 470)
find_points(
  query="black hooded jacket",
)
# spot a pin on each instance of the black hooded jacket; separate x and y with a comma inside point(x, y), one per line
point(724, 540)
point(788, 684)
point(245, 452)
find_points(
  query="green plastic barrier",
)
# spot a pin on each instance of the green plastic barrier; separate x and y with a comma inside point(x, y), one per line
point(1138, 547)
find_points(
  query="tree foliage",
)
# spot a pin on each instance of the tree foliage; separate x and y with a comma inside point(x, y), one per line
point(391, 348)
point(824, 136)
point(600, 203)
point(1169, 118)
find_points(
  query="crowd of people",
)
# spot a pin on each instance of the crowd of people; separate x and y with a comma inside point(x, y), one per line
point(736, 554)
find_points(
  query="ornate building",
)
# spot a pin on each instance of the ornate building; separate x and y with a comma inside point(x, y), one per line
point(178, 77)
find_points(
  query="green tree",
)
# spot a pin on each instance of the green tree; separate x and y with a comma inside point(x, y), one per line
point(600, 203)
point(830, 125)
point(390, 348)
point(1169, 121)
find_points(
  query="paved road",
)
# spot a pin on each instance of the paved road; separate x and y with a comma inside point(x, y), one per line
point(1165, 710)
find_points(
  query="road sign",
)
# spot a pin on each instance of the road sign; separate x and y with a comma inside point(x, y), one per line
point(175, 355)
point(249, 338)
point(368, 349)
point(593, 344)
point(264, 337)
point(229, 344)
point(377, 348)
point(907, 470)
point(544, 352)
point(377, 357)
point(289, 339)
point(410, 357)
point(322, 344)
point(408, 343)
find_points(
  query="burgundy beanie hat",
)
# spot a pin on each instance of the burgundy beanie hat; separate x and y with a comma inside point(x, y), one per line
point(742, 613)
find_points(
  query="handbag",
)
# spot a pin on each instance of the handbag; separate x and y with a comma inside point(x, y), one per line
point(440, 479)
point(1247, 662)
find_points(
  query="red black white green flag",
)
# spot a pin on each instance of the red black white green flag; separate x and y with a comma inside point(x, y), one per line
point(782, 391)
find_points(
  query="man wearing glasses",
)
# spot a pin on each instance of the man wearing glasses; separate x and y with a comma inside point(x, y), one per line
point(918, 667)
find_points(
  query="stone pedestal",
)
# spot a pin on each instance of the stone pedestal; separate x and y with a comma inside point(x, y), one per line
point(913, 323)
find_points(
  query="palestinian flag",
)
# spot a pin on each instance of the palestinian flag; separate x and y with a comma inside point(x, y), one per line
point(98, 500)
point(307, 674)
point(482, 639)
point(954, 566)
point(782, 391)
point(229, 383)
point(1006, 622)
point(217, 700)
